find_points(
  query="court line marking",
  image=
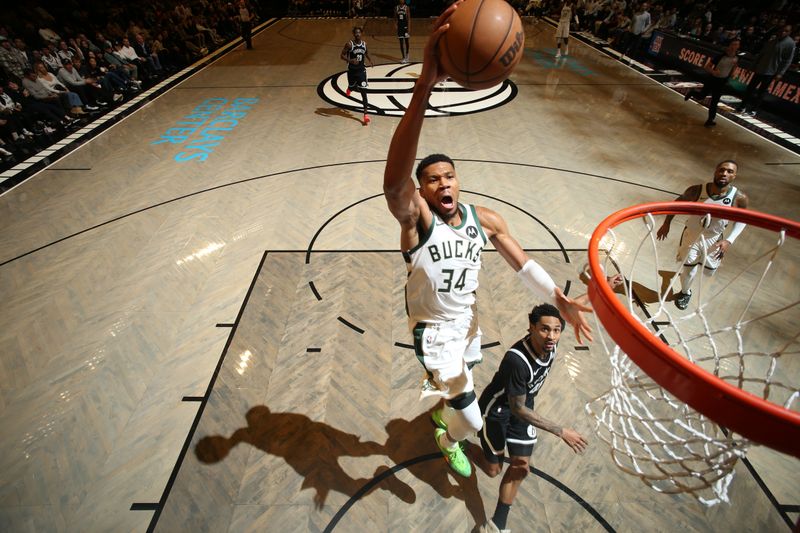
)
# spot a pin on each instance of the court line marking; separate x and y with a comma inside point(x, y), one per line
point(159, 507)
point(196, 422)
point(308, 169)
point(437, 456)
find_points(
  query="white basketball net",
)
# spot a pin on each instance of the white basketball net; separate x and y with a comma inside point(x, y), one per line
point(738, 328)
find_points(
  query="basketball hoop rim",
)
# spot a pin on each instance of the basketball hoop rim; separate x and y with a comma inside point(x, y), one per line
point(731, 407)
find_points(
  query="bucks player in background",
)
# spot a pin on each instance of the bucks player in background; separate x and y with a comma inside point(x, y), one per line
point(355, 53)
point(442, 240)
point(719, 192)
point(506, 404)
point(562, 31)
point(402, 15)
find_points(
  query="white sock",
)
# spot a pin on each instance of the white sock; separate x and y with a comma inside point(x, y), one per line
point(464, 422)
point(687, 276)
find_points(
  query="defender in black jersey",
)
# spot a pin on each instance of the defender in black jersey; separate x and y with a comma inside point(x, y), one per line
point(402, 14)
point(509, 420)
point(355, 53)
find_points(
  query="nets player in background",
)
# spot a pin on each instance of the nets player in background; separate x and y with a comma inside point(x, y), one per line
point(507, 408)
point(355, 53)
point(402, 15)
point(690, 251)
point(442, 240)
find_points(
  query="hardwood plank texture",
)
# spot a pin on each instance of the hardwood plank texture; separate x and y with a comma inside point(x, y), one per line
point(113, 280)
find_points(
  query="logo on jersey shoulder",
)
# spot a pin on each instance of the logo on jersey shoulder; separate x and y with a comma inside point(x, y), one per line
point(726, 201)
point(472, 232)
point(390, 88)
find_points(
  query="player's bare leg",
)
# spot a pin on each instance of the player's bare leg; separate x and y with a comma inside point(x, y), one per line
point(512, 479)
point(364, 102)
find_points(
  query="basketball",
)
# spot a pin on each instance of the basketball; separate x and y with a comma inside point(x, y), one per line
point(484, 43)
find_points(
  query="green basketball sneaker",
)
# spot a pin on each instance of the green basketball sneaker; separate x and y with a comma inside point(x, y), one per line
point(436, 416)
point(456, 457)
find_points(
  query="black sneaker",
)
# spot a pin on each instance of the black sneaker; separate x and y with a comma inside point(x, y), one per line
point(710, 124)
point(682, 300)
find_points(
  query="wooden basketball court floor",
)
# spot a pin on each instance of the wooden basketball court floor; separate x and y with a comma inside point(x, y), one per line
point(220, 345)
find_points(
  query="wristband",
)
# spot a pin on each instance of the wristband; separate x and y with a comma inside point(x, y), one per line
point(539, 281)
point(738, 228)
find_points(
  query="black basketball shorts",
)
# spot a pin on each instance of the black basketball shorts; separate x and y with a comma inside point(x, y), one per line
point(506, 432)
point(357, 78)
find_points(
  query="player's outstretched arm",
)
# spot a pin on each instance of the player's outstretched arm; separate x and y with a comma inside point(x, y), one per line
point(572, 438)
point(719, 249)
point(689, 195)
point(532, 274)
point(398, 185)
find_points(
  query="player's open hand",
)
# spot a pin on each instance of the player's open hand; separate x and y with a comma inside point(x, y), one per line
point(432, 72)
point(615, 281)
point(573, 312)
point(574, 440)
point(663, 231)
point(718, 250)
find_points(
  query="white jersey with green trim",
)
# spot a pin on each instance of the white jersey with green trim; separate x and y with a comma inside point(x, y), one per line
point(443, 269)
point(694, 224)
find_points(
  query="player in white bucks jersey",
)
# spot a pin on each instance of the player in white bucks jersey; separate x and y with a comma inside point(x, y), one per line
point(507, 406)
point(562, 31)
point(702, 241)
point(443, 268)
point(356, 55)
point(442, 240)
point(402, 16)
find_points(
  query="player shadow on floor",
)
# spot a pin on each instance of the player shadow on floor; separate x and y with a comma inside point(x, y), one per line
point(336, 112)
point(313, 450)
point(646, 295)
point(642, 294)
point(410, 439)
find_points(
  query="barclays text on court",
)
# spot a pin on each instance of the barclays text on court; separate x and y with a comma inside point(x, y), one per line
point(202, 130)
